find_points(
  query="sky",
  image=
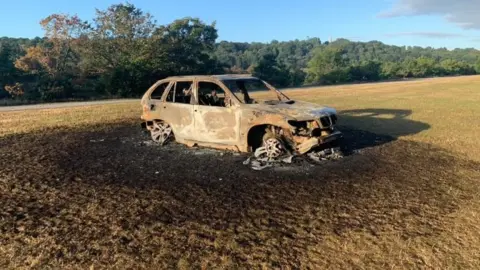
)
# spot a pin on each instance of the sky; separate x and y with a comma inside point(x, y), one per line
point(435, 23)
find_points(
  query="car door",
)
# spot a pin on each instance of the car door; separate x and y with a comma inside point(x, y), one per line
point(153, 105)
point(177, 109)
point(214, 122)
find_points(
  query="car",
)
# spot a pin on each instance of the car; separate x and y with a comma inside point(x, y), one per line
point(237, 112)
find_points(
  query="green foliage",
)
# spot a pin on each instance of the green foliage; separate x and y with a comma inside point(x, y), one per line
point(391, 70)
point(333, 65)
point(367, 61)
point(122, 51)
point(119, 47)
point(452, 67)
point(7, 68)
point(425, 67)
point(268, 67)
point(366, 71)
point(188, 44)
point(328, 66)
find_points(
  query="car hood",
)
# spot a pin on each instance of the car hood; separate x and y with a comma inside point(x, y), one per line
point(299, 110)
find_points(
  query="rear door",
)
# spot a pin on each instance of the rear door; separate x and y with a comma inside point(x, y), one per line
point(177, 109)
point(214, 122)
point(154, 105)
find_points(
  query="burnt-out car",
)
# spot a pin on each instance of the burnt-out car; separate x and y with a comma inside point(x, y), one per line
point(236, 112)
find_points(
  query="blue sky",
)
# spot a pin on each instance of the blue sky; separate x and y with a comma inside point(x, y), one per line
point(436, 23)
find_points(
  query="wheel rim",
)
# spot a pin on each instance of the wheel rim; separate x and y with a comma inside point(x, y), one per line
point(273, 148)
point(161, 132)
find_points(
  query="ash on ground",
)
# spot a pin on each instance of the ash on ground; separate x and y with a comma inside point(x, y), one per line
point(259, 162)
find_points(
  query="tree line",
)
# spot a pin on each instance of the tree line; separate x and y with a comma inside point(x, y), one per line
point(122, 51)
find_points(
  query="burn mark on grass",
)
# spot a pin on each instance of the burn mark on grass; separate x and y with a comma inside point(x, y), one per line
point(122, 206)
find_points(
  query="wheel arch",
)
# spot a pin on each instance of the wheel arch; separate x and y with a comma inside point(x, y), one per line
point(256, 133)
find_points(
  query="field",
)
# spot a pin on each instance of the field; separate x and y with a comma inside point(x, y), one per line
point(83, 188)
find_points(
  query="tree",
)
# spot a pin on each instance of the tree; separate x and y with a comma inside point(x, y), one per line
point(64, 34)
point(7, 68)
point(327, 66)
point(366, 71)
point(409, 67)
point(130, 51)
point(391, 70)
point(122, 51)
point(452, 67)
point(189, 44)
point(269, 69)
point(56, 61)
point(424, 67)
point(15, 90)
point(119, 37)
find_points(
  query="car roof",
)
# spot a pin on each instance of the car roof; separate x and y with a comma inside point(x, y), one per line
point(218, 77)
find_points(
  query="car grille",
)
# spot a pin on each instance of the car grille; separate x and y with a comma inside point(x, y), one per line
point(328, 120)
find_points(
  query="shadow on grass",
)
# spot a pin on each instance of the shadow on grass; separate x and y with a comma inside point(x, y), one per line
point(365, 128)
point(102, 192)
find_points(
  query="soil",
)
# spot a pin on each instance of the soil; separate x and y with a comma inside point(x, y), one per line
point(108, 197)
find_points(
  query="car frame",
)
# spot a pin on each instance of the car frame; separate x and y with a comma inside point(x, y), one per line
point(281, 126)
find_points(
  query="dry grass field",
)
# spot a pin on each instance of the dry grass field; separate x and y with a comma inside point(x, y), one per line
point(80, 188)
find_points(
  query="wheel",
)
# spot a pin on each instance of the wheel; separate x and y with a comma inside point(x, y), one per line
point(271, 148)
point(161, 132)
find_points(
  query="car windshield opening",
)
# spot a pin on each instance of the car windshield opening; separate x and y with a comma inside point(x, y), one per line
point(252, 91)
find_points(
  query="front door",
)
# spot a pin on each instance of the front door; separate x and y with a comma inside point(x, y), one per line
point(214, 122)
point(177, 110)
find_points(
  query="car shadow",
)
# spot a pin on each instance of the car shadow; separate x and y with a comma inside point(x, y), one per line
point(370, 127)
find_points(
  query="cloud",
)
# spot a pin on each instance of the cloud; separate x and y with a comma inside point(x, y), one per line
point(464, 13)
point(425, 34)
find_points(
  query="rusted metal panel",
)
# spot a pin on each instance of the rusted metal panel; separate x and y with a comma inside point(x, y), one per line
point(217, 124)
point(180, 117)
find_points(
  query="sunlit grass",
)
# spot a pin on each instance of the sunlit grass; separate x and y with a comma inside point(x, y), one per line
point(33, 120)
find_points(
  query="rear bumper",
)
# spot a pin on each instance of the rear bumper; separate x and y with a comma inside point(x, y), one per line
point(317, 141)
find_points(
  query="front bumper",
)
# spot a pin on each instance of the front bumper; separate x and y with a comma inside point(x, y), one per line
point(313, 142)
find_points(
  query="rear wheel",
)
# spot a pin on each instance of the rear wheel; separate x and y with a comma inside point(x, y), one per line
point(161, 132)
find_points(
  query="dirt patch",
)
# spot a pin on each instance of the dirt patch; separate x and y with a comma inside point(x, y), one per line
point(106, 198)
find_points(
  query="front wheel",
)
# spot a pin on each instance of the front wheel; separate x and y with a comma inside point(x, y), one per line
point(272, 148)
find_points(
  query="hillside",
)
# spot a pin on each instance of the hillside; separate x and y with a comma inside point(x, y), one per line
point(102, 58)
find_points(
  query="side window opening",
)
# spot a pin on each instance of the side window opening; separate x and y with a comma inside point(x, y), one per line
point(181, 92)
point(158, 92)
point(210, 94)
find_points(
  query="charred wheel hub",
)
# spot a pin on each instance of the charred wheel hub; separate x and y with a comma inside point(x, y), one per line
point(273, 148)
point(160, 132)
